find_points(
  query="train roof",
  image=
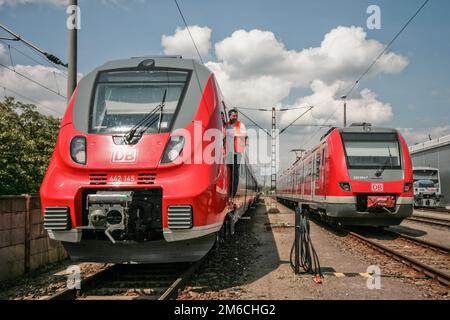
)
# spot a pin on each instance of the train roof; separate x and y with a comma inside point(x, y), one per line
point(359, 127)
point(425, 168)
point(176, 62)
point(366, 128)
point(195, 88)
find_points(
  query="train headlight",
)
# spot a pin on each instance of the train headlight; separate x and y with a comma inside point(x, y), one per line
point(173, 149)
point(345, 186)
point(78, 150)
point(408, 187)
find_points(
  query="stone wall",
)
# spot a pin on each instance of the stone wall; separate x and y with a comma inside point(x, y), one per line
point(24, 244)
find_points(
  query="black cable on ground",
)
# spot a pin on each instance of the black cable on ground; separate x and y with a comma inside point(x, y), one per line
point(303, 255)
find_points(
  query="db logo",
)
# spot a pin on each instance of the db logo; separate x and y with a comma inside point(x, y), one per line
point(377, 187)
point(121, 156)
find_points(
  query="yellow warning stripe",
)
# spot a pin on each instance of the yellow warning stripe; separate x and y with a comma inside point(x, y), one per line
point(348, 274)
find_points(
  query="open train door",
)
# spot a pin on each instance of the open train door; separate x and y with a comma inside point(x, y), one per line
point(318, 183)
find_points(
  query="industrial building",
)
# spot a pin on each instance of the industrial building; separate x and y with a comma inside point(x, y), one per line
point(435, 153)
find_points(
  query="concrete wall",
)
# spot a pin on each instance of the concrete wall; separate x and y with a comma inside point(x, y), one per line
point(437, 158)
point(24, 244)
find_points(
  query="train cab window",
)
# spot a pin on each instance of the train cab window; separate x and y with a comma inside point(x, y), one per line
point(372, 150)
point(124, 98)
point(224, 113)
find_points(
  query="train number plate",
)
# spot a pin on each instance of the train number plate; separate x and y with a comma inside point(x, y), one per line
point(377, 187)
point(381, 201)
point(118, 178)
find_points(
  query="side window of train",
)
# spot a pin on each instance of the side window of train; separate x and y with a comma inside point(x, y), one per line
point(317, 166)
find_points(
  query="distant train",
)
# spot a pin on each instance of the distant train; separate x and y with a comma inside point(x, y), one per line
point(359, 175)
point(120, 188)
point(427, 187)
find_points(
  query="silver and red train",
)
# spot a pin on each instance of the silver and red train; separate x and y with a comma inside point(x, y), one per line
point(120, 188)
point(359, 175)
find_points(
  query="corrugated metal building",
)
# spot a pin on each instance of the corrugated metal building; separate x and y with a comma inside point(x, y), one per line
point(435, 153)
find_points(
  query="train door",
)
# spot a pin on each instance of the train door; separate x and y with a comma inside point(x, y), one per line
point(320, 178)
point(308, 178)
point(302, 180)
point(293, 179)
point(316, 174)
point(227, 173)
point(324, 171)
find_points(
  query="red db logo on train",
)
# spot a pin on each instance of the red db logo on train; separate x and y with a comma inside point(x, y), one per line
point(121, 156)
point(377, 187)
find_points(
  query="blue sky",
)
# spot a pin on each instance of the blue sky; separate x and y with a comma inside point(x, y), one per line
point(419, 95)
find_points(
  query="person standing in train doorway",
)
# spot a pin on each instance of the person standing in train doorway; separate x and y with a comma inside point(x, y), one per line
point(236, 142)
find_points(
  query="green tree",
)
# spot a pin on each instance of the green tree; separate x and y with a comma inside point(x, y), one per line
point(27, 140)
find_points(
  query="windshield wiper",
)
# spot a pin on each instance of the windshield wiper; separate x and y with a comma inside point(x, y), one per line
point(145, 122)
point(381, 169)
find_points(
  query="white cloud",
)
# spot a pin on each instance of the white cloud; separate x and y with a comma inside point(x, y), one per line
point(181, 44)
point(362, 107)
point(256, 69)
point(47, 102)
point(344, 54)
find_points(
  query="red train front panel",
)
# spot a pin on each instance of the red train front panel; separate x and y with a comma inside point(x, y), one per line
point(358, 175)
point(123, 184)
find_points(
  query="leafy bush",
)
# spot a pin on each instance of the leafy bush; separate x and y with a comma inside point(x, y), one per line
point(27, 140)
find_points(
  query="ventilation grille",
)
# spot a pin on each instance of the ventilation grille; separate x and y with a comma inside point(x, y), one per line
point(98, 179)
point(146, 178)
point(180, 217)
point(57, 218)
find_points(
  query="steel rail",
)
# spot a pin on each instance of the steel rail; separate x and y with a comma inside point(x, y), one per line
point(429, 271)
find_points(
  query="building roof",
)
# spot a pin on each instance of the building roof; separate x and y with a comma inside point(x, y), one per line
point(429, 145)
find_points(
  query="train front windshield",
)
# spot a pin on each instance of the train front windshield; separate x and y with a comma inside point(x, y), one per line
point(424, 178)
point(372, 150)
point(123, 98)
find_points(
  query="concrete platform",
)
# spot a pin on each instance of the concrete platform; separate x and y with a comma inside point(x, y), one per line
point(271, 277)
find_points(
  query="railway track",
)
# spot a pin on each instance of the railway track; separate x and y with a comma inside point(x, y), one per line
point(436, 210)
point(430, 221)
point(133, 282)
point(428, 258)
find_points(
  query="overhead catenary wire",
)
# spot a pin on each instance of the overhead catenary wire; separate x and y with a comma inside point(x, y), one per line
point(385, 49)
point(189, 31)
point(37, 104)
point(33, 81)
point(60, 72)
point(270, 110)
point(298, 118)
point(54, 59)
point(260, 127)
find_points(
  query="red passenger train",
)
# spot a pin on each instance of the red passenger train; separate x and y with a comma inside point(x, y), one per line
point(360, 175)
point(122, 186)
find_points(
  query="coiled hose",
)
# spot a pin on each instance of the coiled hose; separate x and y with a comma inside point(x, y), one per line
point(303, 253)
